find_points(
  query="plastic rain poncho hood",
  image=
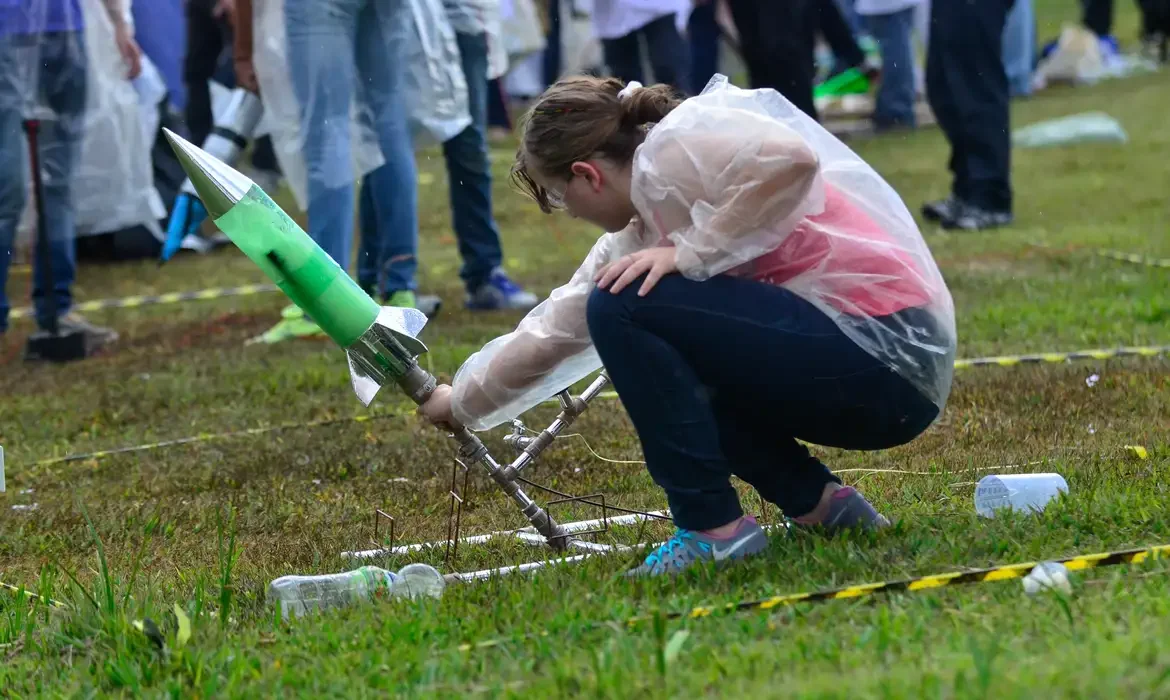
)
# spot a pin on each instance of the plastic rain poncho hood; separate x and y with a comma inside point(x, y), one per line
point(727, 178)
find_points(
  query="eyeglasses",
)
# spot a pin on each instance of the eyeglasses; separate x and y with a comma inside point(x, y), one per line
point(556, 200)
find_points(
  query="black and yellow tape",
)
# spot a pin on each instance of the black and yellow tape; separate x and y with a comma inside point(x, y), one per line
point(29, 594)
point(1005, 572)
point(1001, 361)
point(1059, 357)
point(1133, 258)
point(168, 298)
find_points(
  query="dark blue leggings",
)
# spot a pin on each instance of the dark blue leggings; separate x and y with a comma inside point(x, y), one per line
point(722, 377)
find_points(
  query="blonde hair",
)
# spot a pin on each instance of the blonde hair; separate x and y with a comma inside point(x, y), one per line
point(581, 117)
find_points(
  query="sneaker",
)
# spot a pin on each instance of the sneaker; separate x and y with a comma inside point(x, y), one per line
point(500, 293)
point(426, 303)
point(292, 324)
point(940, 210)
point(96, 337)
point(969, 217)
point(687, 547)
point(848, 509)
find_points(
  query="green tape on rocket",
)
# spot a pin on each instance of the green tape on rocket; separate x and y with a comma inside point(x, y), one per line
point(300, 267)
point(261, 229)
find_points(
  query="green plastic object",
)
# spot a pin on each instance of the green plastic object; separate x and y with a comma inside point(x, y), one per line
point(299, 267)
point(850, 82)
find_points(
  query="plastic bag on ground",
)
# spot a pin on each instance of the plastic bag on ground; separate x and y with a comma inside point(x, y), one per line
point(1089, 127)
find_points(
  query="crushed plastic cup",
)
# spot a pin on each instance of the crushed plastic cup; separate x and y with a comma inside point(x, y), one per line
point(1026, 492)
point(1047, 576)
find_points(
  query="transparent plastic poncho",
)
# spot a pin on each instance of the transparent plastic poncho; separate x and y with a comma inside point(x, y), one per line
point(65, 70)
point(420, 38)
point(741, 182)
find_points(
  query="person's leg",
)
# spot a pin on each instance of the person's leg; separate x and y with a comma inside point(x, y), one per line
point(623, 57)
point(204, 46)
point(13, 154)
point(704, 40)
point(751, 350)
point(777, 41)
point(469, 173)
point(393, 186)
point(321, 57)
point(967, 38)
point(942, 93)
point(1019, 48)
point(895, 98)
point(553, 51)
point(669, 53)
point(1098, 17)
point(63, 83)
point(497, 106)
point(838, 35)
point(469, 176)
point(321, 64)
point(368, 240)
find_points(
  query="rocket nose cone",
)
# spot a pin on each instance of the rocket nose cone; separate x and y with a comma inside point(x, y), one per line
point(218, 186)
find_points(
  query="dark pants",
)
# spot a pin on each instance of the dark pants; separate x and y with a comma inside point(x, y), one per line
point(552, 51)
point(1098, 16)
point(776, 40)
point(209, 42)
point(704, 39)
point(51, 67)
point(967, 87)
point(666, 48)
point(497, 105)
point(469, 175)
point(838, 34)
point(722, 377)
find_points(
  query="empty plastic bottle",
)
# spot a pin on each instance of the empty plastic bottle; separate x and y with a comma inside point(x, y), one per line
point(299, 595)
point(1027, 492)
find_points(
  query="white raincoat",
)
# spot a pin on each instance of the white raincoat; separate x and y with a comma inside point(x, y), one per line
point(741, 182)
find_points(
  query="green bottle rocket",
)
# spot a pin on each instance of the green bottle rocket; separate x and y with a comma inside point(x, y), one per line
point(380, 343)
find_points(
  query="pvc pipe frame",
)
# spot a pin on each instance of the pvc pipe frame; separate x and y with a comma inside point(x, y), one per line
point(530, 536)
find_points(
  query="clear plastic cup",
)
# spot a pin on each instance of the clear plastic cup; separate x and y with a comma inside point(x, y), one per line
point(1027, 492)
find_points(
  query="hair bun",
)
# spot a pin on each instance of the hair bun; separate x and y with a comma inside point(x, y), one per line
point(647, 105)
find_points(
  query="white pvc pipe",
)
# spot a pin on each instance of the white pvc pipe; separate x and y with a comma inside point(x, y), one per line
point(522, 533)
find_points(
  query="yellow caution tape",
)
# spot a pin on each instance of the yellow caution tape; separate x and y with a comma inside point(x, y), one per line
point(168, 298)
point(909, 585)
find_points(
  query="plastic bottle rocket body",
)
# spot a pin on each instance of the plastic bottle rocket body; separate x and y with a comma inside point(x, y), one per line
point(380, 342)
point(226, 142)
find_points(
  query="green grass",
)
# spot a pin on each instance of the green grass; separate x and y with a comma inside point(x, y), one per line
point(208, 525)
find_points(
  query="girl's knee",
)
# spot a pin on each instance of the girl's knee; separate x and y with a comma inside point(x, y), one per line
point(602, 309)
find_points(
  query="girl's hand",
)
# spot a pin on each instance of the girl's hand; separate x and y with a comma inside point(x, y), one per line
point(437, 409)
point(655, 263)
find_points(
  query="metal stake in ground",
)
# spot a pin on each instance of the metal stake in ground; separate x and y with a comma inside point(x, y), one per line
point(48, 343)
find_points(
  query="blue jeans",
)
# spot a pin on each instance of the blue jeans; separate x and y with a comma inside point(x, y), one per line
point(1019, 48)
point(722, 377)
point(58, 63)
point(895, 98)
point(469, 175)
point(332, 45)
point(704, 39)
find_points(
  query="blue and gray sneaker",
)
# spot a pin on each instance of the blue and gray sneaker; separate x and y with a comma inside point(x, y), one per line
point(500, 293)
point(687, 547)
point(848, 510)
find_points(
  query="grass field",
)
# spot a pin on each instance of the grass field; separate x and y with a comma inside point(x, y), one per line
point(207, 525)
